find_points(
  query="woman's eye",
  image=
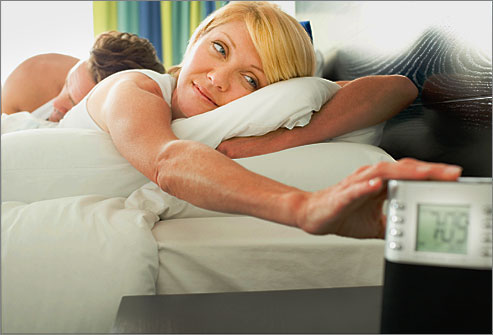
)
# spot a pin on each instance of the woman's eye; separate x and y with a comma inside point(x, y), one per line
point(219, 48)
point(251, 82)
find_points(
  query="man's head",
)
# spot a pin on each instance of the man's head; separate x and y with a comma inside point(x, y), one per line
point(114, 51)
point(111, 52)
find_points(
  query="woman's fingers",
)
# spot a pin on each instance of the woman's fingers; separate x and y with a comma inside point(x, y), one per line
point(352, 195)
point(409, 169)
point(353, 207)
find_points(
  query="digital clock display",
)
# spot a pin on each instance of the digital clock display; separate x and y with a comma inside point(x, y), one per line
point(442, 228)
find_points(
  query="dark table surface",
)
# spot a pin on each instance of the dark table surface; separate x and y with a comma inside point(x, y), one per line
point(335, 310)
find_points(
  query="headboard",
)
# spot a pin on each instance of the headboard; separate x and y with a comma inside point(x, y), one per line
point(443, 47)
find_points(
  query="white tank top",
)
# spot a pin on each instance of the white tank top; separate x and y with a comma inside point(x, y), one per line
point(78, 116)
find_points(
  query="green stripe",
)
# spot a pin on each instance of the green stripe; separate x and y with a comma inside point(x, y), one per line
point(128, 16)
point(104, 15)
point(194, 15)
point(180, 28)
point(167, 37)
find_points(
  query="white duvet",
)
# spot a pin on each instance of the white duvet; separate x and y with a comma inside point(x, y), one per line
point(77, 218)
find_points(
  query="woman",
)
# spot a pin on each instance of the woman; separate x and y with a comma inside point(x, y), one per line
point(238, 49)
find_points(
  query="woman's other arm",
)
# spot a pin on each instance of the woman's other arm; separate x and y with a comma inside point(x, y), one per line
point(35, 81)
point(138, 121)
point(360, 103)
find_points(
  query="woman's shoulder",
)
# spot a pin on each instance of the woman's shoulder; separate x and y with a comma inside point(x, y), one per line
point(142, 76)
point(156, 83)
point(152, 81)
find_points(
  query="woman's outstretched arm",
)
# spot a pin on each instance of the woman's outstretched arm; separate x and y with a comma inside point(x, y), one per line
point(139, 122)
point(360, 103)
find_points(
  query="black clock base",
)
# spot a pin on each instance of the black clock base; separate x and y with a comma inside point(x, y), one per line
point(432, 299)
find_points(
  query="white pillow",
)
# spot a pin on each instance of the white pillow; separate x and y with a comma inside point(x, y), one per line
point(287, 104)
point(67, 262)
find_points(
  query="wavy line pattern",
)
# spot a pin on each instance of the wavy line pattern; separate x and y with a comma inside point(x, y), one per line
point(451, 119)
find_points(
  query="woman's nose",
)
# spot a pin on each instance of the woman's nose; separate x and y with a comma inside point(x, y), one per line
point(219, 78)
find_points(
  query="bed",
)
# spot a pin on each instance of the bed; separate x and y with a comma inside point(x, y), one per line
point(69, 254)
point(81, 228)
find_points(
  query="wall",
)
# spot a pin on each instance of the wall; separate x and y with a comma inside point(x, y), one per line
point(391, 26)
point(34, 27)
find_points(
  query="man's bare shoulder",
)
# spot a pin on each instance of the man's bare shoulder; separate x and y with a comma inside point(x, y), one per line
point(46, 71)
point(51, 69)
point(35, 81)
point(51, 60)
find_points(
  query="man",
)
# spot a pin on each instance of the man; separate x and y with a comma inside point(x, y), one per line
point(51, 84)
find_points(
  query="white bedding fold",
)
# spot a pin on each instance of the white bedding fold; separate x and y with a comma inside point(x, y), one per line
point(67, 262)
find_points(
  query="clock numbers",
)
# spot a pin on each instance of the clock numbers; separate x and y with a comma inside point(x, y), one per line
point(442, 228)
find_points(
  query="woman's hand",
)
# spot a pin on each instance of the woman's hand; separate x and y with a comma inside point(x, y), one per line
point(353, 207)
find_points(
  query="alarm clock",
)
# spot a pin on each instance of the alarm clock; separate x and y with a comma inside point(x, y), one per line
point(438, 257)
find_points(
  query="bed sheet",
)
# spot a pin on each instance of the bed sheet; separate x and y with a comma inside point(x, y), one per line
point(224, 254)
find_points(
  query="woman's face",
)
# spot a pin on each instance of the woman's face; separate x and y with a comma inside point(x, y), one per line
point(222, 66)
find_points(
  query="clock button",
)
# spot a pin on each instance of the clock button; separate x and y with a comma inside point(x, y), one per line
point(396, 219)
point(397, 204)
point(395, 246)
point(395, 232)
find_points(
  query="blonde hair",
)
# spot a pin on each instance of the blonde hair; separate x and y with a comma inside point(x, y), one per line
point(284, 47)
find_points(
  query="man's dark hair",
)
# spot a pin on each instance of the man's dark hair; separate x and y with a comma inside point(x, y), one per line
point(114, 51)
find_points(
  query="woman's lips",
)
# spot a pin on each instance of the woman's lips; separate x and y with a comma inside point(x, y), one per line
point(204, 94)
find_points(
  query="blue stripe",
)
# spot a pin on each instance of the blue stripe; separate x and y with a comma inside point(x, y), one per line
point(308, 28)
point(210, 6)
point(150, 24)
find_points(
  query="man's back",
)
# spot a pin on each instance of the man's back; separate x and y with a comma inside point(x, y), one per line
point(35, 81)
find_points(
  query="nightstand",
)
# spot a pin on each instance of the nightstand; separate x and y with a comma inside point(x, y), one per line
point(334, 310)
